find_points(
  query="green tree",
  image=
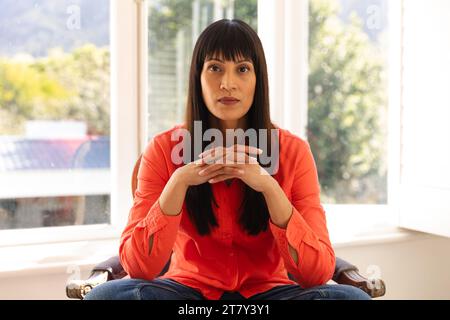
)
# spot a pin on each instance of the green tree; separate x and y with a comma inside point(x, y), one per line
point(167, 17)
point(346, 97)
point(86, 73)
point(61, 86)
point(247, 10)
point(26, 93)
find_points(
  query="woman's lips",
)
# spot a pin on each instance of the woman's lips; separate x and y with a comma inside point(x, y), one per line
point(228, 101)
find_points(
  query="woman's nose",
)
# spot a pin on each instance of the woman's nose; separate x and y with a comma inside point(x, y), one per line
point(228, 82)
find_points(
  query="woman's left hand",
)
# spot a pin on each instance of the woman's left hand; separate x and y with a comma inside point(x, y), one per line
point(237, 156)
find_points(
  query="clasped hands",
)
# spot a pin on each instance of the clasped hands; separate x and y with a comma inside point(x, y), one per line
point(220, 163)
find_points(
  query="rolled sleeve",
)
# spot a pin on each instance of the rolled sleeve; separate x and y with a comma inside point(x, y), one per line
point(146, 219)
point(316, 260)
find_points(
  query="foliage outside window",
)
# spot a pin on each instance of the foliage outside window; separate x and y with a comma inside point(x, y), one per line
point(347, 115)
point(54, 73)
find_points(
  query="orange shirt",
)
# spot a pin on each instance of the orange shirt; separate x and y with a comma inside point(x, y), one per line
point(228, 259)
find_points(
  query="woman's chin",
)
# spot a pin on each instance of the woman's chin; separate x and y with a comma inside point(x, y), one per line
point(229, 115)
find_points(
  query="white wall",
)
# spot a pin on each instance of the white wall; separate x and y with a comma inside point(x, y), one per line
point(413, 269)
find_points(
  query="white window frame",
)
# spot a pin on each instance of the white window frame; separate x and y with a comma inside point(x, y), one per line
point(287, 58)
point(128, 97)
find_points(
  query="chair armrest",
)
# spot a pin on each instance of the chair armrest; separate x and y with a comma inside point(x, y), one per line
point(107, 270)
point(78, 289)
point(346, 273)
point(113, 267)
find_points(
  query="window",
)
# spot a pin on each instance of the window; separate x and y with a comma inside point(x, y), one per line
point(54, 113)
point(348, 99)
point(174, 27)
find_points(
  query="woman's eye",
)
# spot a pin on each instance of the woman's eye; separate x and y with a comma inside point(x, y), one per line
point(244, 69)
point(214, 68)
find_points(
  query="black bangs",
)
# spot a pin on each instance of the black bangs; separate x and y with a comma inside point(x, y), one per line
point(229, 41)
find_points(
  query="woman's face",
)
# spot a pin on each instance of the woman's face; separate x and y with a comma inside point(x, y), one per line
point(228, 87)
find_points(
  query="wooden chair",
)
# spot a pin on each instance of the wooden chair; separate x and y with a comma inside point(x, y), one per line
point(111, 269)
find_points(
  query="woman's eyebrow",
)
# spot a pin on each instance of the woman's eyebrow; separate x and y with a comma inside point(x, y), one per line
point(217, 59)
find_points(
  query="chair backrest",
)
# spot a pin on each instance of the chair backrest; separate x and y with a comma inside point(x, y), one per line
point(134, 175)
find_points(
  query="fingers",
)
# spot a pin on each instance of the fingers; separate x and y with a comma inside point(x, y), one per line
point(214, 156)
point(221, 171)
point(246, 149)
point(207, 170)
point(239, 158)
point(236, 148)
point(222, 177)
point(228, 159)
point(234, 154)
point(199, 162)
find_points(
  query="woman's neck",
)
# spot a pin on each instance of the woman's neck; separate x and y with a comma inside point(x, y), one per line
point(223, 125)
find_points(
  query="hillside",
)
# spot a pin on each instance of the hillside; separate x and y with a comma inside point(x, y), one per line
point(34, 26)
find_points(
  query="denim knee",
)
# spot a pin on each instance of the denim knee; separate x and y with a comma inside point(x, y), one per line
point(344, 292)
point(123, 289)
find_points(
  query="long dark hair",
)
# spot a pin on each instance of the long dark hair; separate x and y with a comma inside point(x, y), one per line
point(229, 39)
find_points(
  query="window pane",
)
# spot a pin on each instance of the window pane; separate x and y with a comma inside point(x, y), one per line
point(174, 26)
point(54, 113)
point(348, 95)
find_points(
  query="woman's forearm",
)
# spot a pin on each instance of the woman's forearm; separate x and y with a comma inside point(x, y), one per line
point(280, 210)
point(172, 197)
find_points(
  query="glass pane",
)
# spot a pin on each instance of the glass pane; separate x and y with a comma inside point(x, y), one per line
point(174, 26)
point(348, 96)
point(54, 113)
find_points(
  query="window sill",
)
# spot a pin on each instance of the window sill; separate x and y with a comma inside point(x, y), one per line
point(376, 237)
point(54, 235)
point(65, 257)
point(360, 225)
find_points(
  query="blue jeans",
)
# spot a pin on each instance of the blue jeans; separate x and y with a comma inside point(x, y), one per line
point(167, 289)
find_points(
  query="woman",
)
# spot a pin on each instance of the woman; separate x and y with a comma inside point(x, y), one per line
point(230, 228)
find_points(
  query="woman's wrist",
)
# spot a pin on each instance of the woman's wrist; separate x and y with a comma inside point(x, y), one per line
point(270, 187)
point(179, 180)
point(280, 208)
